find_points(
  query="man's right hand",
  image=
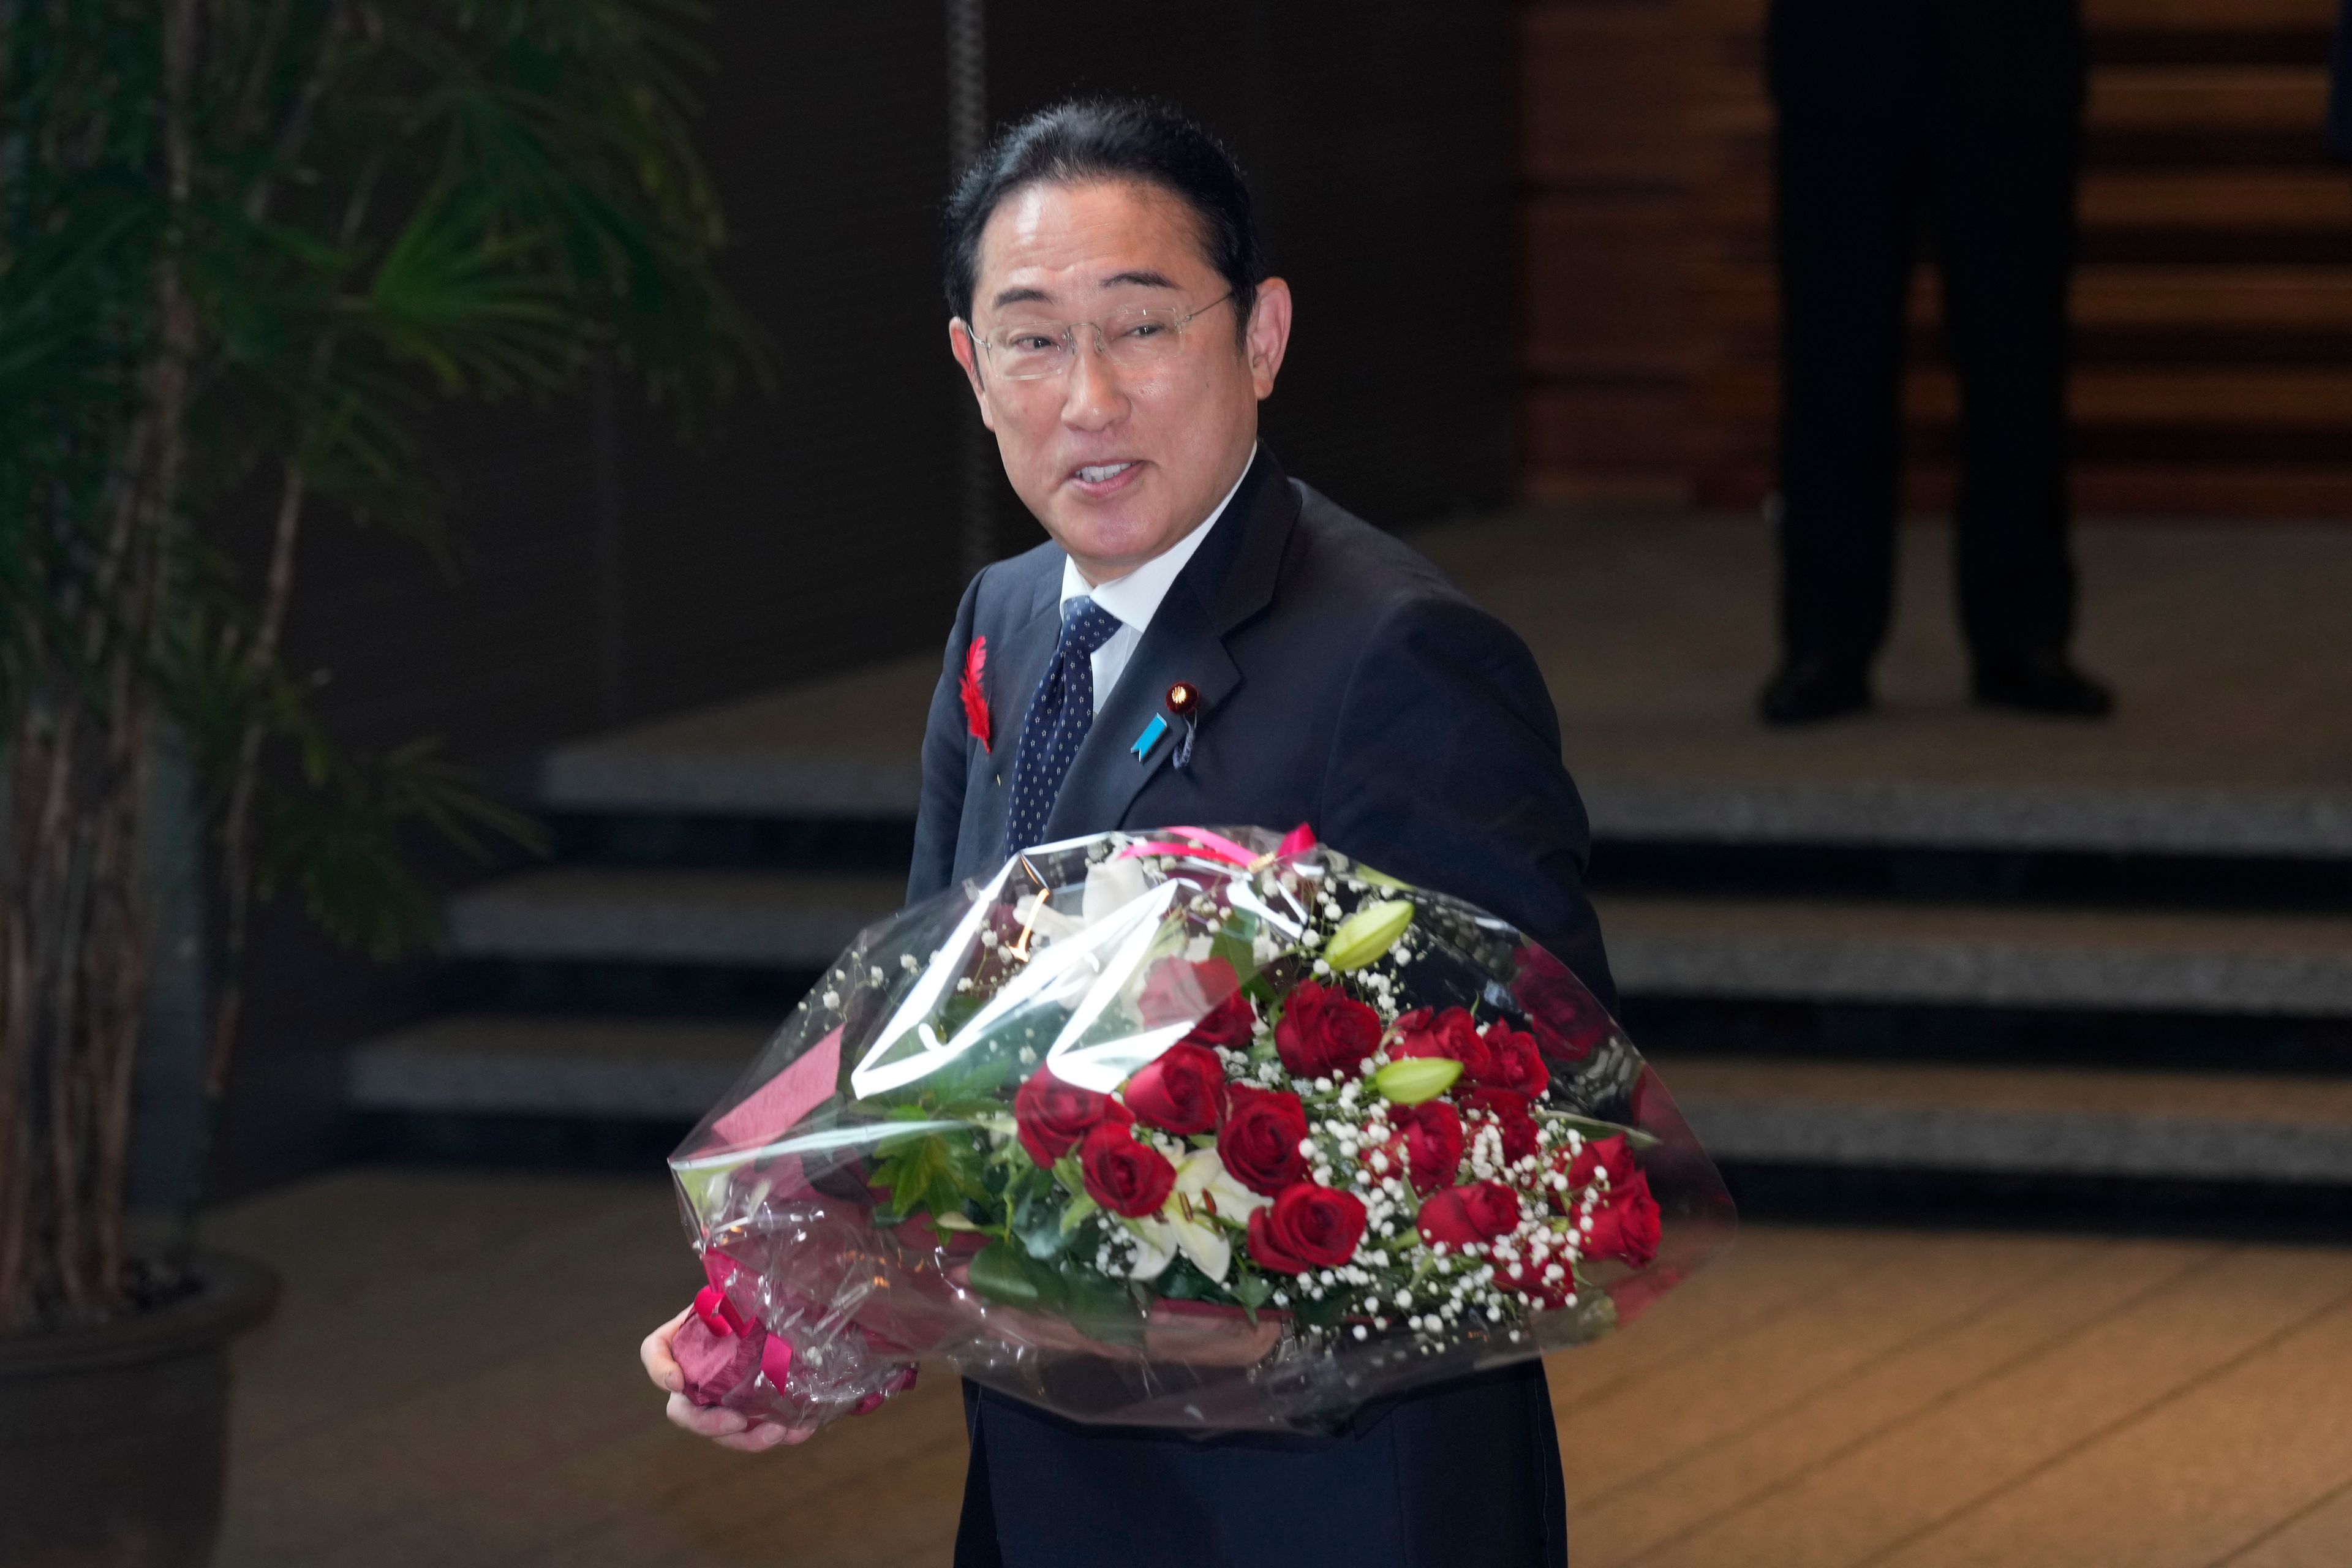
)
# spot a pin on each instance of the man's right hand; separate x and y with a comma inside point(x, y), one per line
point(728, 1428)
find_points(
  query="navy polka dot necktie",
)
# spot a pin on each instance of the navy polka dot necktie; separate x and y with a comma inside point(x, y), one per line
point(1060, 714)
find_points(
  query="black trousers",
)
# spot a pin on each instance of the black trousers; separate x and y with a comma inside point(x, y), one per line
point(1464, 1474)
point(1966, 113)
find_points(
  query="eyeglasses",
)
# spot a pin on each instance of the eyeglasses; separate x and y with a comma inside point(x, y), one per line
point(1135, 337)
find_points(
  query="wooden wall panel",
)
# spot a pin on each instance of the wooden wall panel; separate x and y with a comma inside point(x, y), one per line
point(1609, 155)
point(2213, 306)
point(1608, 437)
point(1608, 293)
point(1602, 90)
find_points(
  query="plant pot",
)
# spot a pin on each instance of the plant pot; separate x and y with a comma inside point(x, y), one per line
point(114, 1439)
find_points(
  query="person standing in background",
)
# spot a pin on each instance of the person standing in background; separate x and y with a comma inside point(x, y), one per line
point(1970, 113)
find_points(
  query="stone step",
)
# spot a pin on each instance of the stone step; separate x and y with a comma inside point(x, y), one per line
point(1881, 954)
point(472, 1064)
point(810, 755)
point(1991, 816)
point(1961, 1121)
point(2019, 1121)
point(1763, 950)
point(721, 919)
point(2228, 645)
point(848, 747)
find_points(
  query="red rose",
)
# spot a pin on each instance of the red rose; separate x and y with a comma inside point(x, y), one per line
point(1509, 1109)
point(1628, 1226)
point(1519, 1065)
point(1208, 992)
point(1232, 1023)
point(1568, 1022)
point(1308, 1227)
point(1460, 1215)
point(1325, 1032)
point(1123, 1175)
point(1610, 1154)
point(1259, 1141)
point(1183, 1093)
point(1450, 1034)
point(1430, 1139)
point(1052, 1115)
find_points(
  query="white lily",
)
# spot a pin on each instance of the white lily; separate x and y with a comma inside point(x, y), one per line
point(1112, 885)
point(1204, 1193)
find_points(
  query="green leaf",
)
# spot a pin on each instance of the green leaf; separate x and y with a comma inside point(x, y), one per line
point(1006, 1273)
point(1105, 1309)
point(1184, 1280)
point(1250, 1289)
point(1325, 1313)
point(930, 1173)
point(1037, 1224)
point(1593, 1128)
point(1236, 949)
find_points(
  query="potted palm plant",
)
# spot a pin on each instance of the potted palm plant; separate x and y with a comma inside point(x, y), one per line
point(245, 245)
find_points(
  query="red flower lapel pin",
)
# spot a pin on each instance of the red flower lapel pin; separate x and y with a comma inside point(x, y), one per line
point(975, 702)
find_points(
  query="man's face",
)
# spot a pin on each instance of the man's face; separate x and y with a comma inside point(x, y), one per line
point(1118, 461)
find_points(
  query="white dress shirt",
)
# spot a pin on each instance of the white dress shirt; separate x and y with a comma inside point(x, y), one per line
point(1135, 598)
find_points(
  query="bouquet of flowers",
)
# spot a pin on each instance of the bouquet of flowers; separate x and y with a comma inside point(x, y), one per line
point(1213, 1129)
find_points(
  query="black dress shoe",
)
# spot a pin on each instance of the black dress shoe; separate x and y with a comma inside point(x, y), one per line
point(1809, 688)
point(2042, 683)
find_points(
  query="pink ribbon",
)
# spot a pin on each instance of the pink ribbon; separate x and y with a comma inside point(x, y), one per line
point(1207, 846)
point(721, 1317)
point(716, 1313)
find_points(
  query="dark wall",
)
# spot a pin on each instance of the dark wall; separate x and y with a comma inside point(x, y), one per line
point(599, 573)
point(602, 571)
point(1377, 138)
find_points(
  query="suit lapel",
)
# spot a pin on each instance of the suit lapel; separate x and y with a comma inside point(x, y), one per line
point(1227, 581)
point(1181, 644)
point(1015, 666)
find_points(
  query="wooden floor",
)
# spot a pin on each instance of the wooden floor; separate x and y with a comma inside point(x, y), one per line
point(451, 1383)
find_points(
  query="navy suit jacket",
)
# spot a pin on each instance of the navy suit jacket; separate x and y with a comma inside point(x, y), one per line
point(1345, 684)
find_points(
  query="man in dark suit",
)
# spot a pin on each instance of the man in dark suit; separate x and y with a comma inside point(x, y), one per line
point(1970, 112)
point(1115, 323)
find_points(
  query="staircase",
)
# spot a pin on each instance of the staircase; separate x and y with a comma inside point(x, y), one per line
point(1936, 962)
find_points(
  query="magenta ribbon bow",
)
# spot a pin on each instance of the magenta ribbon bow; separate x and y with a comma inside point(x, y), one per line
point(723, 1320)
point(720, 1317)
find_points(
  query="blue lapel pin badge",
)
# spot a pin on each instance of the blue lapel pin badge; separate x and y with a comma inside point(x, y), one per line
point(1185, 702)
point(1149, 738)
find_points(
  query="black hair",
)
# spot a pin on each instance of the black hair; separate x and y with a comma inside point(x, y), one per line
point(1138, 139)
